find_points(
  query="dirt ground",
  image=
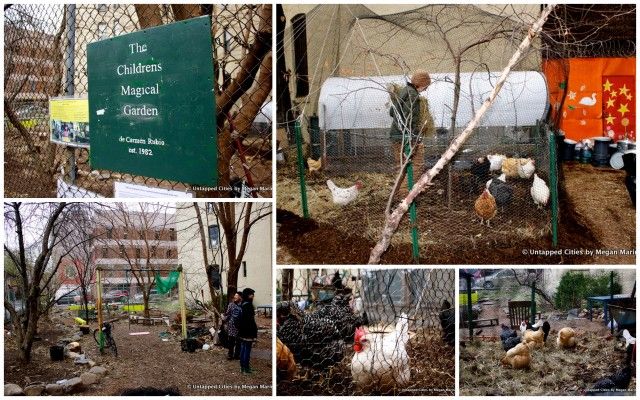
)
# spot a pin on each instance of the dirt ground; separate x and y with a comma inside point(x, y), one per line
point(432, 365)
point(553, 371)
point(146, 361)
point(346, 235)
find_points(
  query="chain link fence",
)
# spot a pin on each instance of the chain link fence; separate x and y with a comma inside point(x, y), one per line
point(45, 56)
point(361, 332)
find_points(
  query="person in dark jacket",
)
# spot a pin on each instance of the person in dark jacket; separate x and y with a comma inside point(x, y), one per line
point(247, 329)
point(231, 320)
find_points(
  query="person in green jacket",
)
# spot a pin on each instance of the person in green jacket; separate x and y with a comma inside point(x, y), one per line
point(405, 107)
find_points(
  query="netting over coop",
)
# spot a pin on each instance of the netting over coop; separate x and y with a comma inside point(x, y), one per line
point(354, 117)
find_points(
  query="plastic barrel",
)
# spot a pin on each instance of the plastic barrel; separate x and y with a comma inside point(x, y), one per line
point(56, 353)
point(585, 155)
point(613, 149)
point(568, 149)
point(601, 151)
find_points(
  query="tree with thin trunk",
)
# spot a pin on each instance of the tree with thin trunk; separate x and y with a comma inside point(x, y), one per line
point(33, 235)
point(236, 221)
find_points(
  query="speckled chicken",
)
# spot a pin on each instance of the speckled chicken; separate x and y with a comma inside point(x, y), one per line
point(486, 207)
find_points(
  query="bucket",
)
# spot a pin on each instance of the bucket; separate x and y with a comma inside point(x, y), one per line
point(568, 149)
point(56, 353)
point(85, 330)
point(623, 145)
point(585, 155)
point(601, 151)
point(189, 344)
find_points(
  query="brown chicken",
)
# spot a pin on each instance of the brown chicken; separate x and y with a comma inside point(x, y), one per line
point(486, 207)
point(519, 357)
point(566, 338)
point(314, 165)
point(285, 363)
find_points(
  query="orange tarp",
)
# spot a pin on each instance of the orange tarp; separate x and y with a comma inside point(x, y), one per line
point(599, 98)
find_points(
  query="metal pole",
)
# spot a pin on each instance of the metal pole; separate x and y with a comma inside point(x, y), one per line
point(413, 215)
point(469, 307)
point(553, 181)
point(69, 87)
point(99, 306)
point(183, 307)
point(533, 303)
point(303, 185)
point(607, 315)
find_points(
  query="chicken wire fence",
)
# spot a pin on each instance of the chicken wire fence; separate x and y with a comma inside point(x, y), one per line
point(45, 56)
point(351, 332)
point(342, 66)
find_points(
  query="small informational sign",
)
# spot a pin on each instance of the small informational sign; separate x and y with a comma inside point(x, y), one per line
point(130, 190)
point(152, 103)
point(69, 121)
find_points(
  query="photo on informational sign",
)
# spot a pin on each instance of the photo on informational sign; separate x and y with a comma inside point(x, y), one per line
point(69, 121)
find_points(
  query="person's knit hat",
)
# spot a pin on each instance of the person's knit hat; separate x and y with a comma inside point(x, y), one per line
point(420, 78)
point(247, 292)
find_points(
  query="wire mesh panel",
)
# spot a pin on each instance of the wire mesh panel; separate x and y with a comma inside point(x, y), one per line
point(355, 332)
point(45, 56)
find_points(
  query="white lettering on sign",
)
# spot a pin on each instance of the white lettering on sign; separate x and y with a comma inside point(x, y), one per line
point(140, 91)
point(142, 110)
point(137, 48)
point(139, 68)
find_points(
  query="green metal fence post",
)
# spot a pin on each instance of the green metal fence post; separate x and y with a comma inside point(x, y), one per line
point(469, 307)
point(413, 215)
point(533, 303)
point(301, 172)
point(553, 182)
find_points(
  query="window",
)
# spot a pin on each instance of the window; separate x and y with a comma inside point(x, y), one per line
point(300, 67)
point(172, 234)
point(244, 269)
point(169, 253)
point(70, 271)
point(109, 233)
point(156, 235)
point(138, 252)
point(105, 252)
point(102, 8)
point(214, 236)
point(122, 252)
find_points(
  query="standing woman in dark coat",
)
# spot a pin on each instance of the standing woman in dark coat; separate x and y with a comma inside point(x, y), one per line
point(247, 330)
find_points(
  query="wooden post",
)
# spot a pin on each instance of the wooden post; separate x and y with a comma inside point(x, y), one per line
point(183, 307)
point(99, 305)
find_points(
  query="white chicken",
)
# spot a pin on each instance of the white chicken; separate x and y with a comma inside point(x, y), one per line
point(539, 191)
point(344, 196)
point(496, 161)
point(502, 177)
point(526, 168)
point(381, 359)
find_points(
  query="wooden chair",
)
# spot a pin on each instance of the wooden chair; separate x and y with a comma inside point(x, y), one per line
point(519, 311)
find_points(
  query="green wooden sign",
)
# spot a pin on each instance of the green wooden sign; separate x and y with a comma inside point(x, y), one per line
point(152, 103)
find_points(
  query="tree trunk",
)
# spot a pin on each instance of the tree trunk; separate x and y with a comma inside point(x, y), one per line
point(148, 15)
point(393, 220)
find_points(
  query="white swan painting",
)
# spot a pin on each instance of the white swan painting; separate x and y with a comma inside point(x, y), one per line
point(588, 101)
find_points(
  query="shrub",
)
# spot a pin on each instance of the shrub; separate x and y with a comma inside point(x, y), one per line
point(575, 287)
